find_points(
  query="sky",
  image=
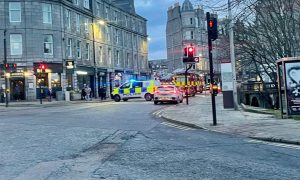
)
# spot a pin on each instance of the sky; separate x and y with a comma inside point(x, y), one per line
point(155, 11)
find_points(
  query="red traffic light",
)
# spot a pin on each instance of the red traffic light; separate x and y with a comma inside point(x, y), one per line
point(10, 66)
point(42, 66)
point(211, 23)
point(191, 51)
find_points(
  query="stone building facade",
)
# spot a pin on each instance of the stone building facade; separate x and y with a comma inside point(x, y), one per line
point(186, 25)
point(93, 42)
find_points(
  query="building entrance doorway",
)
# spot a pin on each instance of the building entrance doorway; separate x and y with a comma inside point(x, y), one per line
point(17, 89)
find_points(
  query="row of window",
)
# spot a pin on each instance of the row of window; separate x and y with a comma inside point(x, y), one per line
point(16, 49)
point(117, 17)
point(15, 16)
point(15, 12)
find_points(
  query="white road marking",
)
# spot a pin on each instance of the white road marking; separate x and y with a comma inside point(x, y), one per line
point(290, 146)
point(184, 128)
point(158, 113)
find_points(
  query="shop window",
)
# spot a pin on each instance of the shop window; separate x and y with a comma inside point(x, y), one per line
point(43, 81)
point(55, 80)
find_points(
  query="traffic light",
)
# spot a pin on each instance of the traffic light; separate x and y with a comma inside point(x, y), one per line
point(191, 51)
point(10, 66)
point(215, 89)
point(42, 68)
point(212, 28)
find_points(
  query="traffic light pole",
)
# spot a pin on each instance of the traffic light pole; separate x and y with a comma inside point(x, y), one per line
point(40, 84)
point(5, 72)
point(186, 81)
point(211, 72)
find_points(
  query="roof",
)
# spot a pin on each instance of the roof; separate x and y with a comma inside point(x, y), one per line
point(187, 6)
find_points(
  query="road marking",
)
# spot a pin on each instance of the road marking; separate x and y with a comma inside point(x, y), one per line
point(158, 113)
point(290, 146)
point(184, 128)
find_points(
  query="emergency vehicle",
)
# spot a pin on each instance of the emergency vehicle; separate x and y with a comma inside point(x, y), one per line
point(194, 83)
point(135, 89)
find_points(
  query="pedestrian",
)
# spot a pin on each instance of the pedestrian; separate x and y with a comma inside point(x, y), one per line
point(17, 92)
point(83, 94)
point(104, 92)
point(49, 94)
point(88, 93)
point(101, 92)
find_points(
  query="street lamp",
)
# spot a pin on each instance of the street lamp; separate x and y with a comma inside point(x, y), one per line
point(102, 23)
point(7, 75)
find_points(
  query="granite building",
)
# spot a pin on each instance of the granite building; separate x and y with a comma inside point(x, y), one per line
point(186, 26)
point(92, 42)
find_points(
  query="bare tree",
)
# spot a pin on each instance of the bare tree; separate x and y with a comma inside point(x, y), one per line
point(272, 34)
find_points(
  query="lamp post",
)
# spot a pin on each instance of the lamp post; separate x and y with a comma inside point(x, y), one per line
point(5, 72)
point(102, 23)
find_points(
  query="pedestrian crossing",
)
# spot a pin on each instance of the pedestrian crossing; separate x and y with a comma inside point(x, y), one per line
point(290, 146)
point(158, 113)
point(183, 128)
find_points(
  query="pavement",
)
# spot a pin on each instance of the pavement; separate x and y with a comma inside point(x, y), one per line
point(45, 102)
point(266, 127)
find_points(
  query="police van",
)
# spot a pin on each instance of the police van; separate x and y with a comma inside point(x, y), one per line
point(135, 89)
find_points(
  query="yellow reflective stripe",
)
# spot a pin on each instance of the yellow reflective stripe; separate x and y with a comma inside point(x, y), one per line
point(127, 91)
point(138, 90)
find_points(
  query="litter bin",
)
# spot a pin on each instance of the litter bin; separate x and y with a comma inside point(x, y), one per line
point(59, 96)
point(67, 95)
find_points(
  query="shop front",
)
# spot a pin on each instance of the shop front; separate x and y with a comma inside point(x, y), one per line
point(129, 75)
point(86, 76)
point(51, 78)
point(17, 85)
point(144, 76)
point(102, 82)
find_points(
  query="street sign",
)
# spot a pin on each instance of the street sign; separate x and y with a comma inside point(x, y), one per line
point(191, 60)
point(70, 66)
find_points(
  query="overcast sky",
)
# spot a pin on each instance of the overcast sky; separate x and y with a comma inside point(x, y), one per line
point(155, 11)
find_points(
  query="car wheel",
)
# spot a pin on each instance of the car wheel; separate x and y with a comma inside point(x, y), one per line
point(125, 99)
point(117, 98)
point(148, 97)
point(155, 102)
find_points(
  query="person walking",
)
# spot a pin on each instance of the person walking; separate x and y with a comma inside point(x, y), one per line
point(83, 94)
point(17, 92)
point(88, 93)
point(49, 94)
point(101, 93)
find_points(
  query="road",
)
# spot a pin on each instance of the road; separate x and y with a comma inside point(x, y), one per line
point(125, 141)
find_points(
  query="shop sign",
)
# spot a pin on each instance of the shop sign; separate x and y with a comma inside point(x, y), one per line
point(70, 66)
point(17, 74)
point(41, 75)
point(101, 73)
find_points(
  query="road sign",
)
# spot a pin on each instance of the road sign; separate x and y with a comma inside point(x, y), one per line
point(191, 60)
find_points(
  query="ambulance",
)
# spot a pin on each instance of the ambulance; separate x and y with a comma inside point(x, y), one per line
point(135, 89)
